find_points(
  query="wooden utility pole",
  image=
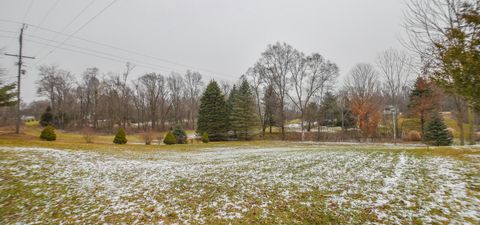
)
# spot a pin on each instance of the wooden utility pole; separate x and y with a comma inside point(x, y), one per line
point(20, 71)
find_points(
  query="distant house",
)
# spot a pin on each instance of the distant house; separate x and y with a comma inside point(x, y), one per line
point(28, 118)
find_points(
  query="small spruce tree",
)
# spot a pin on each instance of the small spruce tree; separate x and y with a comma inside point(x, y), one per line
point(120, 137)
point(180, 135)
point(46, 118)
point(205, 138)
point(212, 115)
point(436, 132)
point(48, 133)
point(169, 139)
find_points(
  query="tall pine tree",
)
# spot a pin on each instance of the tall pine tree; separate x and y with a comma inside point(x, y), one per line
point(212, 115)
point(436, 132)
point(229, 105)
point(244, 117)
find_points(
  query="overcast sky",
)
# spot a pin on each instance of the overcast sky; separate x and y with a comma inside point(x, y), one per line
point(219, 38)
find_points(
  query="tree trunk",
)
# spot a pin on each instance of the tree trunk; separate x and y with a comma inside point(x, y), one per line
point(282, 107)
point(471, 121)
point(303, 130)
point(422, 123)
point(460, 127)
point(318, 131)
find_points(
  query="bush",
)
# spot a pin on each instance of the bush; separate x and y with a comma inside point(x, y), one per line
point(88, 134)
point(120, 137)
point(205, 137)
point(414, 135)
point(169, 139)
point(180, 135)
point(48, 133)
point(148, 137)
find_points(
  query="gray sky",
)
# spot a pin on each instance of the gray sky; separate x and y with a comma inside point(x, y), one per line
point(221, 36)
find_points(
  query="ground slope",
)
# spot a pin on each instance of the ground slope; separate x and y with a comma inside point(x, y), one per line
point(298, 184)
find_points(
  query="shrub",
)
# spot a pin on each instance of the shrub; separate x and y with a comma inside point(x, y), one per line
point(205, 137)
point(120, 137)
point(48, 133)
point(148, 137)
point(88, 135)
point(169, 139)
point(180, 135)
point(414, 135)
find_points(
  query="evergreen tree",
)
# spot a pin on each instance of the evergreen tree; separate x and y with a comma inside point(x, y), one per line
point(328, 110)
point(229, 104)
point(205, 138)
point(48, 133)
point(120, 137)
point(46, 118)
point(212, 116)
point(436, 132)
point(243, 117)
point(271, 102)
point(7, 95)
point(180, 135)
point(169, 139)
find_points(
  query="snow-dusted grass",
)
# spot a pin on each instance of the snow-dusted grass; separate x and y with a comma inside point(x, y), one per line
point(308, 184)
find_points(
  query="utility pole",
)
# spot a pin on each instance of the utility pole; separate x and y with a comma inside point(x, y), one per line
point(391, 109)
point(20, 72)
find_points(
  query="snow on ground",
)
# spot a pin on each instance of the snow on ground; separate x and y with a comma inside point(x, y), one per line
point(41, 185)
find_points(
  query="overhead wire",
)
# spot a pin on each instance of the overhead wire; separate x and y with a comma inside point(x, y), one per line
point(23, 20)
point(76, 31)
point(69, 23)
point(111, 58)
point(213, 73)
point(28, 10)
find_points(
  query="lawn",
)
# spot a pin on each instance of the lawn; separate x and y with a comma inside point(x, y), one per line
point(246, 183)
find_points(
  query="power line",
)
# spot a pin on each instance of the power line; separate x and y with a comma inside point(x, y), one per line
point(47, 14)
point(23, 20)
point(76, 31)
point(8, 31)
point(96, 55)
point(28, 10)
point(95, 51)
point(69, 23)
point(128, 51)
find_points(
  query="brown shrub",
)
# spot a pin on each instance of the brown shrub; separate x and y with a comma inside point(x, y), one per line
point(88, 134)
point(148, 137)
point(414, 135)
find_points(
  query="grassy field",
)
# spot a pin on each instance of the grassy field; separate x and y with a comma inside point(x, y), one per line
point(69, 181)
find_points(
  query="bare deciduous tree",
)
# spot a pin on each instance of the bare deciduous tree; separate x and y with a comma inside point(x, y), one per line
point(309, 76)
point(363, 89)
point(176, 87)
point(274, 66)
point(194, 85)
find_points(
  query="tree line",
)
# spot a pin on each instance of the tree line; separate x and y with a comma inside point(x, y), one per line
point(285, 84)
